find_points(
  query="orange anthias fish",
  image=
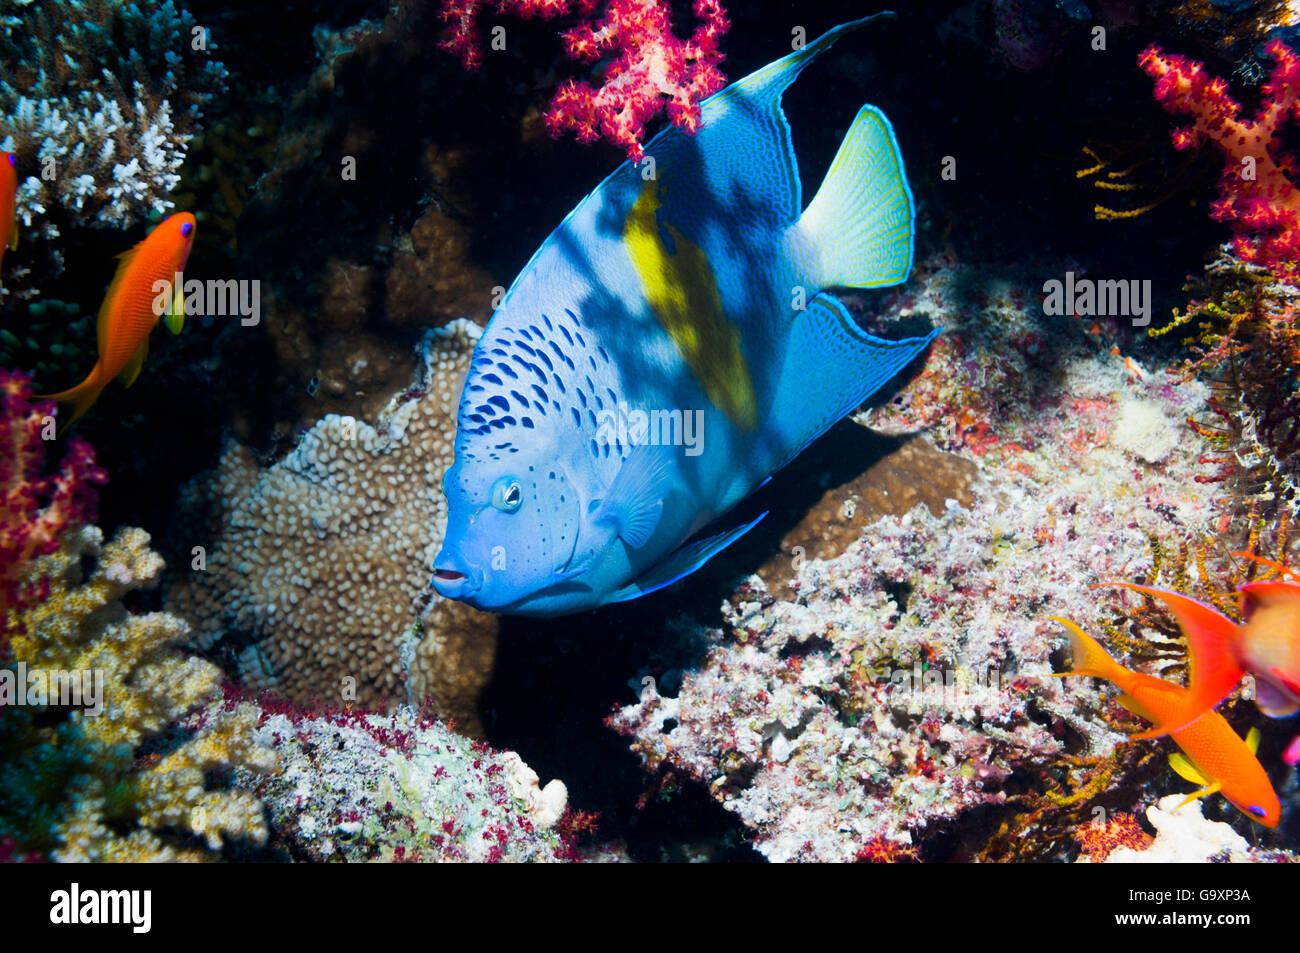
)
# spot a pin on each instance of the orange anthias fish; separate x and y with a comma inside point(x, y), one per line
point(1266, 643)
point(1213, 755)
point(133, 306)
point(8, 200)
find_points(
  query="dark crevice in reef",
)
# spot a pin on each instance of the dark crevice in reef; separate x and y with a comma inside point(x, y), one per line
point(555, 682)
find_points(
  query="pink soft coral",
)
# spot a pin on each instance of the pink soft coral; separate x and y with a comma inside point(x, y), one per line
point(35, 510)
point(1258, 194)
point(648, 68)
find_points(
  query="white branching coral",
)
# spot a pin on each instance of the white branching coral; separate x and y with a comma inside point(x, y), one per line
point(98, 99)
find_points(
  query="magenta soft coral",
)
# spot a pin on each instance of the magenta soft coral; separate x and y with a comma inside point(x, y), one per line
point(648, 68)
point(35, 510)
point(1258, 193)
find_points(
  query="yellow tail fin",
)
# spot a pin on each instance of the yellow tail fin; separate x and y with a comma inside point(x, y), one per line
point(1089, 657)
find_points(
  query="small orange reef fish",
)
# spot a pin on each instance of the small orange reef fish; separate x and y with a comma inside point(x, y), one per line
point(8, 200)
point(133, 306)
point(1213, 755)
point(1266, 643)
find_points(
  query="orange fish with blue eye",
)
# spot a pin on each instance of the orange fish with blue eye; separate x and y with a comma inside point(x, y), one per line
point(133, 305)
point(8, 203)
point(1213, 755)
point(1265, 643)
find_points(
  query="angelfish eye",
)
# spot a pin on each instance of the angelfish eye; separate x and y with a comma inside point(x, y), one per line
point(507, 494)
point(186, 229)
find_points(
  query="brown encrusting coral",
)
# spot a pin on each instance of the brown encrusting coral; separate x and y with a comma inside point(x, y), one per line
point(912, 473)
point(310, 569)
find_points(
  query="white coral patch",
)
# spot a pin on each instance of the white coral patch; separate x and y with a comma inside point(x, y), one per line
point(1145, 431)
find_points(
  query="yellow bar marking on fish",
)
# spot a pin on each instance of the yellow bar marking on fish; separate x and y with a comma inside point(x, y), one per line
point(683, 294)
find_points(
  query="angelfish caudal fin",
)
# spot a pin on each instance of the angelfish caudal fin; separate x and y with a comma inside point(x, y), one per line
point(862, 221)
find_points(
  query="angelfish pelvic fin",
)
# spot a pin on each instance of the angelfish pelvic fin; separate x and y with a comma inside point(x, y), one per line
point(681, 563)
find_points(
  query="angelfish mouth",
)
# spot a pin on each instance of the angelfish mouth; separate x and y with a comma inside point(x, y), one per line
point(448, 576)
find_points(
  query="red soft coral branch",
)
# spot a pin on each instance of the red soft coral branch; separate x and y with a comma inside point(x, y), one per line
point(29, 529)
point(1264, 211)
point(648, 68)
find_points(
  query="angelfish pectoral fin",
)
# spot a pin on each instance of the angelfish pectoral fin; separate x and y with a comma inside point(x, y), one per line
point(636, 498)
point(681, 563)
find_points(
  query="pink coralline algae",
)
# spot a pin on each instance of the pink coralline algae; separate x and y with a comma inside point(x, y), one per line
point(37, 509)
point(402, 787)
point(646, 68)
point(1258, 194)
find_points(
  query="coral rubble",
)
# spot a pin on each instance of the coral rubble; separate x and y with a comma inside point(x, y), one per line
point(897, 686)
point(1184, 836)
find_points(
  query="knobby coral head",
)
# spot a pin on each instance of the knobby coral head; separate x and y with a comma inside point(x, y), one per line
point(35, 510)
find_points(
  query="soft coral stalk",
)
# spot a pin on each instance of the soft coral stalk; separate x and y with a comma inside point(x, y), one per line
point(1258, 194)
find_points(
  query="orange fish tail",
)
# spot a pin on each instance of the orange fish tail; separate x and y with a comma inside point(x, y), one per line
point(82, 397)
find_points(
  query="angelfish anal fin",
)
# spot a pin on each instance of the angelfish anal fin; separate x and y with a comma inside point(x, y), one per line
point(635, 500)
point(133, 366)
point(681, 563)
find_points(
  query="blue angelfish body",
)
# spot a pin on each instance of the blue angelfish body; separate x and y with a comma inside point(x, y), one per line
point(666, 350)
